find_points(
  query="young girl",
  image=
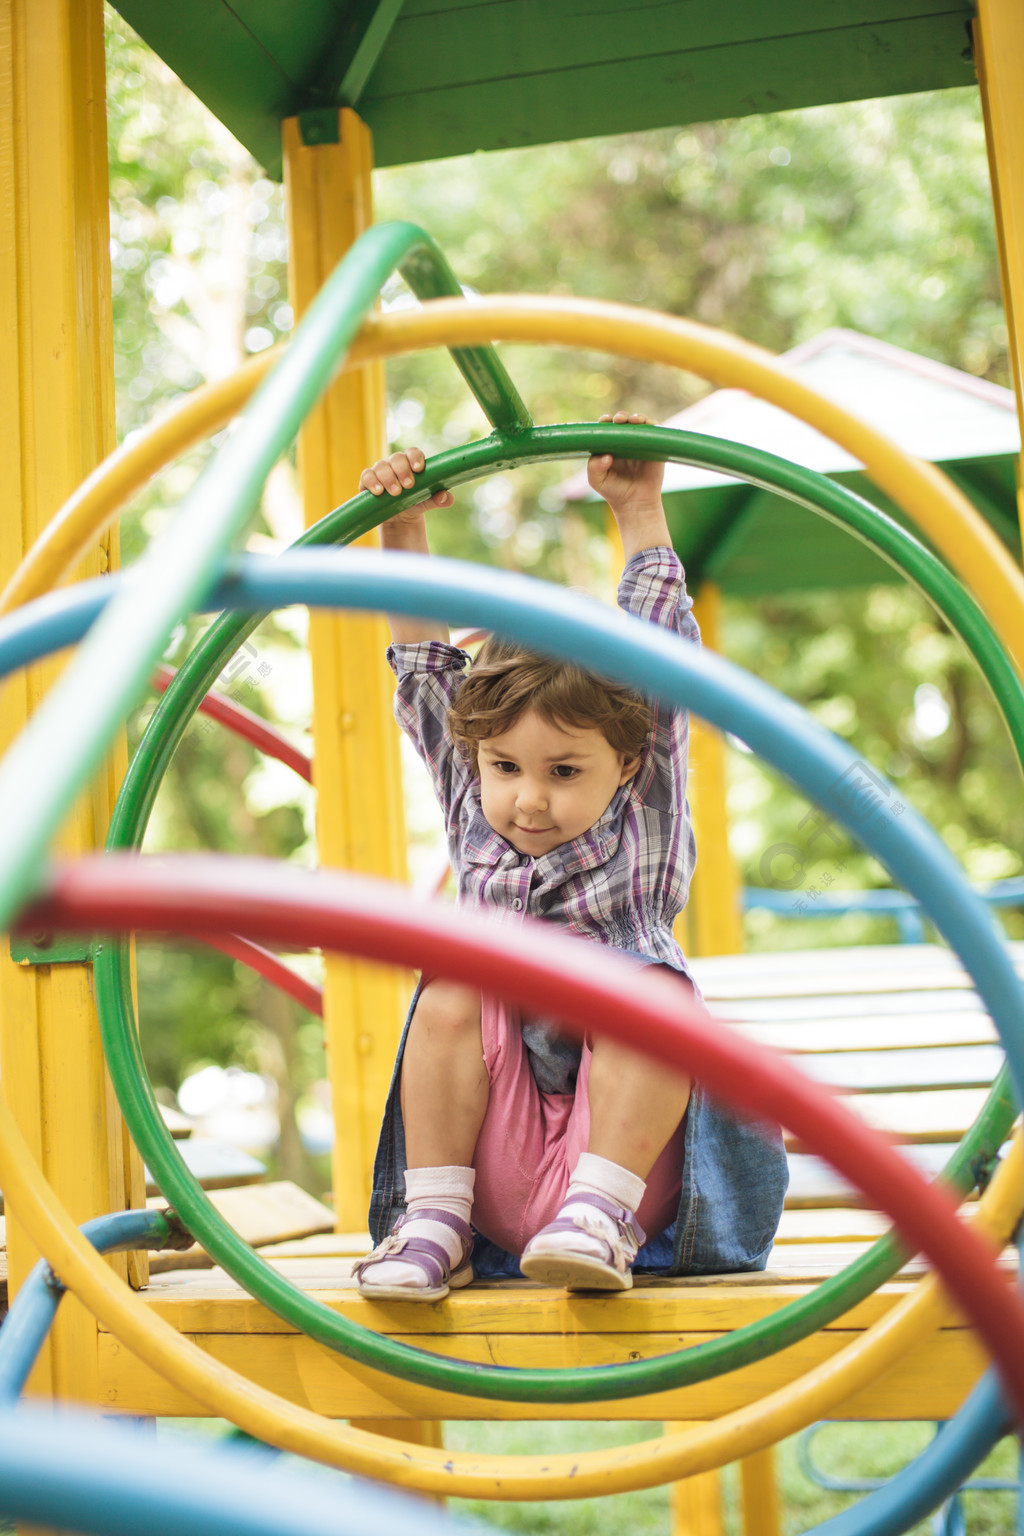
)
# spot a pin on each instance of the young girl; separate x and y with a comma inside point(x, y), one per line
point(564, 798)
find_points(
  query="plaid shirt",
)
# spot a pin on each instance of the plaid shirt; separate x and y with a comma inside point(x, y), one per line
point(624, 881)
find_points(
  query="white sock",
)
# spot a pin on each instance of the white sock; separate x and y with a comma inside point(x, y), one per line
point(594, 1175)
point(447, 1189)
point(597, 1176)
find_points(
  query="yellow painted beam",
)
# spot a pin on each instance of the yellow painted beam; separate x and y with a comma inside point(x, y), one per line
point(999, 55)
point(932, 1382)
point(357, 770)
point(715, 915)
point(207, 1303)
point(56, 425)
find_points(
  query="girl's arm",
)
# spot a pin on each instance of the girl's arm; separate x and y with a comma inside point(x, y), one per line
point(632, 488)
point(406, 531)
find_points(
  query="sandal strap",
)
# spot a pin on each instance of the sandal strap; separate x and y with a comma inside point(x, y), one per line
point(619, 1250)
point(430, 1257)
point(444, 1218)
point(625, 1219)
point(423, 1252)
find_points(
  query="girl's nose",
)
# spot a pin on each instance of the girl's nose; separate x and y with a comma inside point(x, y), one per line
point(531, 796)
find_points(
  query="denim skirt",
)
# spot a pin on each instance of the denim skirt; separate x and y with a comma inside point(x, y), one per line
point(734, 1180)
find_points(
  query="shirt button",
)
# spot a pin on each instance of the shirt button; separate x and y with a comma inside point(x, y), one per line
point(517, 905)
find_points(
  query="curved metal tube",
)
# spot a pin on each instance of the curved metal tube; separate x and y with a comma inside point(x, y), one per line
point(34, 1308)
point(70, 1473)
point(804, 1316)
point(109, 672)
point(935, 1474)
point(530, 613)
point(837, 1294)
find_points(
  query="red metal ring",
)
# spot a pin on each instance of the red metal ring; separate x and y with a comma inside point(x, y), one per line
point(582, 984)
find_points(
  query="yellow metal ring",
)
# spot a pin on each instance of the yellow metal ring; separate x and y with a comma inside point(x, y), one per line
point(953, 526)
point(935, 505)
point(592, 1474)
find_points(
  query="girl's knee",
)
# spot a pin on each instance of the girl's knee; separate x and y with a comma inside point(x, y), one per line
point(448, 1007)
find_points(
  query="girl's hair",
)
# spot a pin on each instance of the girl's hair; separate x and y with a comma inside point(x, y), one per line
point(505, 680)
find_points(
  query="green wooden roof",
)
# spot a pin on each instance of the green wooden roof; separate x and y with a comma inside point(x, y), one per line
point(445, 77)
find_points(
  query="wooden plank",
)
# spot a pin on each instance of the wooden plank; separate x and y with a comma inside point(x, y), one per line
point(461, 45)
point(215, 1164)
point(675, 84)
point(813, 1262)
point(879, 1032)
point(179, 1125)
point(259, 1213)
point(876, 958)
point(920, 1070)
point(813, 1182)
point(859, 972)
point(812, 1009)
point(939, 1117)
point(836, 1226)
point(842, 981)
point(211, 1302)
point(349, 1245)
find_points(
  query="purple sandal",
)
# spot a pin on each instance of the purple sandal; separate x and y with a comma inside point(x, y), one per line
point(440, 1273)
point(559, 1263)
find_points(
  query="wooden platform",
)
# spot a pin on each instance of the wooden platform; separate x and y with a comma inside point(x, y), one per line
point(520, 1324)
point(899, 1029)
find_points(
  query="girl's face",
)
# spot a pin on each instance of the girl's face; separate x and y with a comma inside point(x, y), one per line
point(542, 784)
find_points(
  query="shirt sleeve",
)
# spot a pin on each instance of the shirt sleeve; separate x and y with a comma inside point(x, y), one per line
point(653, 587)
point(429, 675)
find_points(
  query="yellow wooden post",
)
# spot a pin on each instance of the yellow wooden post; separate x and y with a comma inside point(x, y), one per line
point(696, 1502)
point(760, 1494)
point(715, 917)
point(56, 423)
point(999, 54)
point(357, 769)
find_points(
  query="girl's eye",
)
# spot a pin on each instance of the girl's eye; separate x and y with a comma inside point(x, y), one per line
point(506, 768)
point(565, 771)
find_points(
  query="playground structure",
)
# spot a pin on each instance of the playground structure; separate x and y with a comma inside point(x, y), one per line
point(192, 568)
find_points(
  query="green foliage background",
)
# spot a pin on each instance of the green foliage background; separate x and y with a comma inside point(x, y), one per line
point(874, 215)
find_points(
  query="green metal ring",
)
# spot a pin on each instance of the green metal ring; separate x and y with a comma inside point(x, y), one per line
point(592, 1384)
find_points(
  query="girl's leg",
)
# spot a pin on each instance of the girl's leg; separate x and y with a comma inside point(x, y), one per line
point(636, 1105)
point(445, 1089)
point(635, 1110)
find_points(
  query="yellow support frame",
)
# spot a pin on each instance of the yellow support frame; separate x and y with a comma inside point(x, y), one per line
point(56, 425)
point(715, 917)
point(356, 764)
point(999, 55)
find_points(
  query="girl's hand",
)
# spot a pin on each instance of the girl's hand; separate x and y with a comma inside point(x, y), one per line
point(632, 488)
point(406, 531)
point(626, 484)
point(398, 473)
